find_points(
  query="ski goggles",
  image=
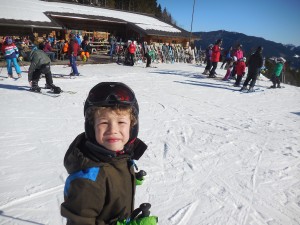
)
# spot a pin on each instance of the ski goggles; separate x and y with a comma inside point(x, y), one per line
point(110, 94)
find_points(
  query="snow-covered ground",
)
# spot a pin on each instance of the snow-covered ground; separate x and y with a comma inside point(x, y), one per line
point(215, 157)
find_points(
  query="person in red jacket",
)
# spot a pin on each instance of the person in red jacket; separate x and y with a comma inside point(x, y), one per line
point(131, 52)
point(240, 71)
point(215, 57)
point(73, 51)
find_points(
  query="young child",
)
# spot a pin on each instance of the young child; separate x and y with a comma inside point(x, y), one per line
point(277, 72)
point(101, 186)
point(240, 71)
point(229, 67)
point(11, 54)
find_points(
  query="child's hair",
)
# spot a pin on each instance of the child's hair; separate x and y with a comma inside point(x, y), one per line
point(119, 110)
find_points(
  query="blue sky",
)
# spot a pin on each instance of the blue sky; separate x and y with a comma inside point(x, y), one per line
point(274, 20)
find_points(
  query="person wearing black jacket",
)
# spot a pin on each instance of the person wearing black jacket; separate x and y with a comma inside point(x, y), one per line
point(254, 64)
point(146, 53)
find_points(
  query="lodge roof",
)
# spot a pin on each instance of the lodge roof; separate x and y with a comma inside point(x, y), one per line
point(45, 14)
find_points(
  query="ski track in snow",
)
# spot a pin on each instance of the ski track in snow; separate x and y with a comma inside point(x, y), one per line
point(214, 157)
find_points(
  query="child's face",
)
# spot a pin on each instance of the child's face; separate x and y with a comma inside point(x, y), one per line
point(112, 130)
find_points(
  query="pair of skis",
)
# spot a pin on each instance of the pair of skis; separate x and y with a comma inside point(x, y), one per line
point(51, 93)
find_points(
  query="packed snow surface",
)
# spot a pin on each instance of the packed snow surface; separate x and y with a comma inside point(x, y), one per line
point(215, 156)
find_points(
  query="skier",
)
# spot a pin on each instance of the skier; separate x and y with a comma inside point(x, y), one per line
point(73, 51)
point(227, 57)
point(215, 57)
point(255, 63)
point(40, 63)
point(208, 53)
point(11, 53)
point(112, 42)
point(101, 186)
point(146, 53)
point(229, 67)
point(131, 52)
point(277, 72)
point(240, 71)
point(239, 54)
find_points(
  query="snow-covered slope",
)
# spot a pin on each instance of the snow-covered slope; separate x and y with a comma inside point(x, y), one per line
point(215, 156)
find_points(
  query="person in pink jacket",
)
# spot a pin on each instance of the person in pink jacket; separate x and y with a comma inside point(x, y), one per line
point(215, 57)
point(239, 54)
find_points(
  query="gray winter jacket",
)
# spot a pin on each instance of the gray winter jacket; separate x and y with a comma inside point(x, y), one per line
point(38, 58)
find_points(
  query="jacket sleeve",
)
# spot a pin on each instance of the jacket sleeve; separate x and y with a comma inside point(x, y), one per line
point(84, 201)
point(32, 68)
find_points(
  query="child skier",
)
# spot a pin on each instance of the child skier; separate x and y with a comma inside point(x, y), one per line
point(101, 186)
point(240, 71)
point(277, 72)
point(229, 67)
point(11, 54)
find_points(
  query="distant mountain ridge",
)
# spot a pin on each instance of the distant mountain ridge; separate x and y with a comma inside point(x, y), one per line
point(250, 43)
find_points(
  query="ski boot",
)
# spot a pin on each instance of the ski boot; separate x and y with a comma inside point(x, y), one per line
point(273, 86)
point(212, 76)
point(54, 88)
point(35, 87)
point(243, 88)
point(251, 89)
point(47, 86)
point(278, 86)
point(205, 72)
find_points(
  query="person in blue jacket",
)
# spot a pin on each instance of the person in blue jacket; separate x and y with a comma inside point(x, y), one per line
point(11, 54)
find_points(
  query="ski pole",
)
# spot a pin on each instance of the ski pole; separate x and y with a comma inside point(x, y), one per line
point(140, 174)
point(144, 208)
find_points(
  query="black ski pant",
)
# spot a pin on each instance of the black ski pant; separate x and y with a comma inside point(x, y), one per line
point(44, 69)
point(250, 77)
point(238, 80)
point(275, 80)
point(148, 57)
point(131, 59)
point(208, 65)
point(213, 70)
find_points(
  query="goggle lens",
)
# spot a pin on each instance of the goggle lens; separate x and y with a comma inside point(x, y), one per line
point(105, 94)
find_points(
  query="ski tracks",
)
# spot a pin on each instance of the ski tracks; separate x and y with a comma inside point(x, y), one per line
point(182, 216)
point(28, 198)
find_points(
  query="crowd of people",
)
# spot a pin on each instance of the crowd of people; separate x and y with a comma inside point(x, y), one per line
point(235, 64)
point(131, 52)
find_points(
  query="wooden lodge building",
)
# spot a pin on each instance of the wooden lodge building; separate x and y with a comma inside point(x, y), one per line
point(41, 18)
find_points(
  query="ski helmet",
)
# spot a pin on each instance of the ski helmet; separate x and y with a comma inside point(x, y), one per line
point(281, 59)
point(8, 40)
point(110, 94)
